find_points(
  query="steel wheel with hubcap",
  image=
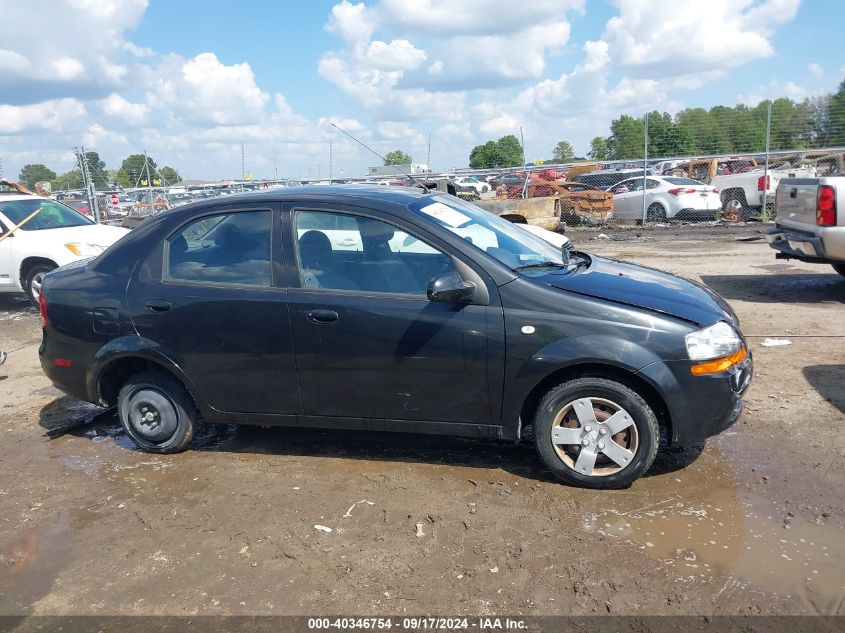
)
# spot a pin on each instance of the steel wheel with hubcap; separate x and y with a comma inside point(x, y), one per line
point(596, 433)
point(156, 412)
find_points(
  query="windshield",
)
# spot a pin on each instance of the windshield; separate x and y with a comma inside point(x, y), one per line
point(511, 245)
point(53, 215)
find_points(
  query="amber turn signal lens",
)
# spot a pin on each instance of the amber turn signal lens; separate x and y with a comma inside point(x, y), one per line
point(720, 364)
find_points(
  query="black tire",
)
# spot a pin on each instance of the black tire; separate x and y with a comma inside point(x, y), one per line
point(840, 268)
point(604, 392)
point(175, 414)
point(655, 212)
point(735, 202)
point(32, 281)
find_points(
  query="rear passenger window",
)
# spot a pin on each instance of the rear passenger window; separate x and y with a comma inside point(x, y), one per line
point(229, 248)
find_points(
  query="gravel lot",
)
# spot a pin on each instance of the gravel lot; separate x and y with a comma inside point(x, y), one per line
point(751, 522)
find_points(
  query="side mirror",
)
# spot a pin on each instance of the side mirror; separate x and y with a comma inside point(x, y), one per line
point(450, 288)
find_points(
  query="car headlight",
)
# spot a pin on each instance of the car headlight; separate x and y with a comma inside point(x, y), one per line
point(81, 249)
point(718, 345)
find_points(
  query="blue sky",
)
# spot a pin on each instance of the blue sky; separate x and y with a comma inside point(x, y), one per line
point(190, 81)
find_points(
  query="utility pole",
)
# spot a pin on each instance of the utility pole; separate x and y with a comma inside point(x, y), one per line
point(645, 163)
point(149, 183)
point(90, 192)
point(276, 168)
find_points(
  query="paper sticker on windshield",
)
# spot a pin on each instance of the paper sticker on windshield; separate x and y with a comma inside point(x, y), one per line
point(445, 214)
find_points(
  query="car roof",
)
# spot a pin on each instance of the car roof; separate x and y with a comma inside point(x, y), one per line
point(345, 193)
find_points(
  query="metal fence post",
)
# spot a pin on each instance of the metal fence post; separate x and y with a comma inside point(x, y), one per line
point(765, 212)
point(645, 163)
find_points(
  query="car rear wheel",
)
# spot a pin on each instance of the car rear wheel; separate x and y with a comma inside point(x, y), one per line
point(655, 212)
point(736, 205)
point(34, 279)
point(157, 412)
point(596, 433)
point(840, 268)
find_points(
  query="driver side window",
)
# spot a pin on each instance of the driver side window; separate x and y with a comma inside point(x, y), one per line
point(347, 252)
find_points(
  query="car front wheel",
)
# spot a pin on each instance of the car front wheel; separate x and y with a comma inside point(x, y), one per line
point(596, 433)
point(157, 412)
point(34, 279)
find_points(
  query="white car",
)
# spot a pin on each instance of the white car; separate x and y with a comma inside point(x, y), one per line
point(666, 197)
point(55, 236)
point(466, 181)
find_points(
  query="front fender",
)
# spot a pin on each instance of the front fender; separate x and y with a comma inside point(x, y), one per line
point(132, 346)
point(591, 350)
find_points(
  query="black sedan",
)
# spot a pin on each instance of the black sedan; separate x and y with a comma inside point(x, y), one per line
point(391, 310)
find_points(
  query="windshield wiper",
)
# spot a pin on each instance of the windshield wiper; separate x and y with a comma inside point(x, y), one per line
point(541, 265)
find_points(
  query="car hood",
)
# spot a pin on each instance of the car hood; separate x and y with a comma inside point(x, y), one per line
point(99, 234)
point(647, 288)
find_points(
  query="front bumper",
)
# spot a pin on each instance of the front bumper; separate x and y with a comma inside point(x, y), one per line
point(699, 406)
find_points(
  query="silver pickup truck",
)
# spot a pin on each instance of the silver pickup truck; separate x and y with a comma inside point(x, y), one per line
point(810, 226)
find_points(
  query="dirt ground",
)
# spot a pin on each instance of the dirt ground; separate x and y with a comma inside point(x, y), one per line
point(752, 522)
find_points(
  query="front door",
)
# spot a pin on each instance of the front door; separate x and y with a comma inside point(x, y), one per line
point(369, 344)
point(209, 297)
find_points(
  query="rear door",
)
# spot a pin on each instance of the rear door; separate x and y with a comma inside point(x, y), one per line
point(211, 298)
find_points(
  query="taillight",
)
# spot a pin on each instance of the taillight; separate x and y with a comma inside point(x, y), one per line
point(715, 190)
point(826, 206)
point(678, 191)
point(760, 183)
point(42, 306)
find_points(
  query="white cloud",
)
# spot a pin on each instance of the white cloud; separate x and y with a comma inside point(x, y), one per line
point(666, 38)
point(130, 114)
point(205, 90)
point(446, 18)
point(815, 70)
point(98, 137)
point(54, 115)
point(68, 48)
point(352, 22)
point(397, 55)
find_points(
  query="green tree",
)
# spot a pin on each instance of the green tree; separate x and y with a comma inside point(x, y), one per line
point(836, 116)
point(68, 180)
point(509, 151)
point(563, 152)
point(170, 175)
point(598, 149)
point(397, 157)
point(665, 138)
point(97, 168)
point(483, 156)
point(506, 152)
point(35, 172)
point(132, 170)
point(626, 138)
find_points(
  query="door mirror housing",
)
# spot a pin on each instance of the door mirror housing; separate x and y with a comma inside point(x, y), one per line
point(449, 287)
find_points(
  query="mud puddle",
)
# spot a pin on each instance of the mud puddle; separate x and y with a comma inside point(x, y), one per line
point(740, 539)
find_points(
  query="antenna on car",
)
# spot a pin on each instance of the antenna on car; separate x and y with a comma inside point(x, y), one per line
point(369, 149)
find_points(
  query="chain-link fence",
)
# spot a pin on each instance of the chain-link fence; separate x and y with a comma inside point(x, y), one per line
point(732, 163)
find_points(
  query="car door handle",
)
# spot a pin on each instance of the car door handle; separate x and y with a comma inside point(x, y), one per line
point(157, 305)
point(322, 316)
